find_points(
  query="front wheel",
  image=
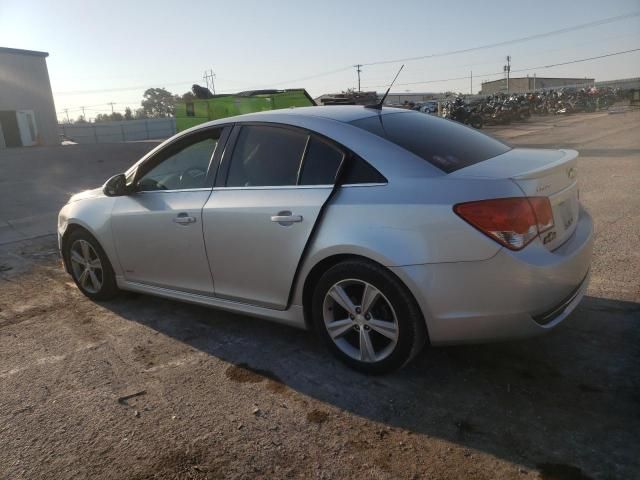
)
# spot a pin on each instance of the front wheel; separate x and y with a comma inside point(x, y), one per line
point(89, 266)
point(367, 317)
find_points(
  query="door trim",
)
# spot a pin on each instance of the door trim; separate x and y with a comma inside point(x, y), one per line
point(293, 316)
point(283, 187)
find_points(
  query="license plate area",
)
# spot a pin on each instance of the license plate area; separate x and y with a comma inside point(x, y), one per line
point(565, 217)
point(565, 211)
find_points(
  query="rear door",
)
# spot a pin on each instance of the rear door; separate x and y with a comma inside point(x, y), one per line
point(269, 193)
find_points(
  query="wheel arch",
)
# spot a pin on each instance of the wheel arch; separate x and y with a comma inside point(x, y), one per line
point(74, 226)
point(323, 265)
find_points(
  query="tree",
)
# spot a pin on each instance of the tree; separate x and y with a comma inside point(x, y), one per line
point(111, 117)
point(128, 114)
point(140, 114)
point(80, 119)
point(158, 102)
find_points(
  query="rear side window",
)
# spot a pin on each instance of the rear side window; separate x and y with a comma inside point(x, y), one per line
point(321, 163)
point(266, 156)
point(359, 171)
point(445, 144)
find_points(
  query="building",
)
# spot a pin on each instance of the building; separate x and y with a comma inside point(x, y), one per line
point(623, 83)
point(529, 84)
point(27, 113)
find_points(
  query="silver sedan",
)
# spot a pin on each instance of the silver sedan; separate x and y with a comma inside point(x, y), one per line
point(379, 229)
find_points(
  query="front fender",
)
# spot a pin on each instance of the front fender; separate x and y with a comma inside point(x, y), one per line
point(93, 215)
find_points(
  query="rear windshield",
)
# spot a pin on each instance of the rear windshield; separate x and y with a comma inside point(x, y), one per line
point(446, 144)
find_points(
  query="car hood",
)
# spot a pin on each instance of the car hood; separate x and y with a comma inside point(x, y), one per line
point(95, 193)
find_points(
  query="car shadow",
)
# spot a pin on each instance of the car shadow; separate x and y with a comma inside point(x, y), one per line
point(550, 402)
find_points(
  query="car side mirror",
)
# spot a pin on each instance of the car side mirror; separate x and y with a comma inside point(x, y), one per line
point(116, 186)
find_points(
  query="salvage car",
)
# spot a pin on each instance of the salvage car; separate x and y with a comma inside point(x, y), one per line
point(380, 229)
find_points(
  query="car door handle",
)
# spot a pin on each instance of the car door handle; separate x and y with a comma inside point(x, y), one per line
point(286, 218)
point(184, 219)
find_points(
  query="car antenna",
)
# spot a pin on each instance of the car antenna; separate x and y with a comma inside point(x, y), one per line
point(378, 106)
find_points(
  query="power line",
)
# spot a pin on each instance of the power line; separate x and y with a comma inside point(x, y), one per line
point(599, 40)
point(210, 76)
point(442, 54)
point(595, 23)
point(540, 67)
point(383, 62)
point(120, 89)
point(358, 70)
point(577, 61)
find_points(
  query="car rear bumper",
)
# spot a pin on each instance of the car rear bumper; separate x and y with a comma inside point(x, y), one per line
point(511, 295)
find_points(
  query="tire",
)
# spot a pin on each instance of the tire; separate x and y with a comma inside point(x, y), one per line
point(94, 278)
point(392, 310)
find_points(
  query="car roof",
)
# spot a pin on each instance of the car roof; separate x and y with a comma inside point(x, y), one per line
point(340, 113)
point(333, 122)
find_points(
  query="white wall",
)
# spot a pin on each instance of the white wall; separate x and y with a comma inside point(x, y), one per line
point(24, 85)
point(123, 131)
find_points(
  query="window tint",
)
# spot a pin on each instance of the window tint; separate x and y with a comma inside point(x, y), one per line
point(266, 156)
point(186, 168)
point(320, 163)
point(359, 171)
point(446, 144)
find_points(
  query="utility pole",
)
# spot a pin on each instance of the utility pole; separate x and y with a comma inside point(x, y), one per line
point(210, 76)
point(66, 110)
point(112, 104)
point(471, 90)
point(358, 69)
point(83, 117)
point(507, 70)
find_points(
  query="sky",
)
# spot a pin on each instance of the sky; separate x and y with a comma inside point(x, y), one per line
point(111, 51)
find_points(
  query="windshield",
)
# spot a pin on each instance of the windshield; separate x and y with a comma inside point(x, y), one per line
point(445, 144)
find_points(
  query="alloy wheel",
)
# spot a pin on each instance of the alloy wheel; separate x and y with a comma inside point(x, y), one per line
point(360, 320)
point(86, 266)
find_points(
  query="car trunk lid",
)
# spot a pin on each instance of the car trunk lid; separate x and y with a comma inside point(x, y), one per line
point(539, 173)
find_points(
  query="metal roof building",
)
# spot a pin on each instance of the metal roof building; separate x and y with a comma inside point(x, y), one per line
point(622, 83)
point(530, 84)
point(27, 111)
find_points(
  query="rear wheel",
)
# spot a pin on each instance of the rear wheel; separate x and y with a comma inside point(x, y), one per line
point(89, 266)
point(367, 317)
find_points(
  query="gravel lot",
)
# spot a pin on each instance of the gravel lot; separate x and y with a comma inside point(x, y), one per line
point(145, 388)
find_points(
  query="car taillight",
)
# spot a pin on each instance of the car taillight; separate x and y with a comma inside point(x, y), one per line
point(542, 210)
point(512, 222)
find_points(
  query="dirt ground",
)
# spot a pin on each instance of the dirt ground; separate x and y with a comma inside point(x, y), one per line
point(145, 388)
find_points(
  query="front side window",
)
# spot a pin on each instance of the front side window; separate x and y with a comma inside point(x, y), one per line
point(266, 156)
point(186, 168)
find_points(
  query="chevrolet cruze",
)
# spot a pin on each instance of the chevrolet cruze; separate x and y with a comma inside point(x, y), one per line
point(380, 229)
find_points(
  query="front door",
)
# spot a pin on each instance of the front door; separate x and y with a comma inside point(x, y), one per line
point(257, 222)
point(158, 228)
